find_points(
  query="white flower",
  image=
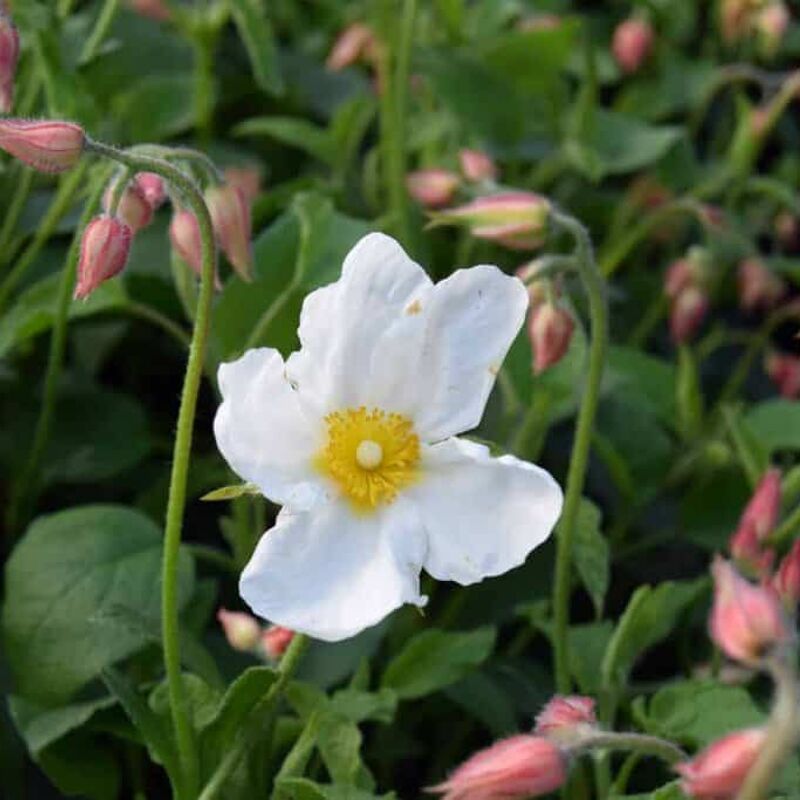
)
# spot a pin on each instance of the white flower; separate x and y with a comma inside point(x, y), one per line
point(355, 436)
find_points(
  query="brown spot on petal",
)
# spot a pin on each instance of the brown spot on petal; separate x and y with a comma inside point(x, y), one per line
point(414, 308)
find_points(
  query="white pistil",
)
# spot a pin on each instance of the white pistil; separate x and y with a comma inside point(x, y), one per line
point(369, 454)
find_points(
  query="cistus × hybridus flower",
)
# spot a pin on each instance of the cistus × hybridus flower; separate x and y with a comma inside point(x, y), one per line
point(133, 208)
point(476, 165)
point(355, 435)
point(786, 581)
point(152, 188)
point(9, 55)
point(46, 146)
point(550, 329)
point(718, 772)
point(759, 287)
point(517, 220)
point(105, 244)
point(747, 621)
point(511, 769)
point(242, 630)
point(784, 370)
point(274, 641)
point(633, 42)
point(432, 188)
point(566, 719)
point(230, 214)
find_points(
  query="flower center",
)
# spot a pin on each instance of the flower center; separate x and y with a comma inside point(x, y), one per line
point(370, 454)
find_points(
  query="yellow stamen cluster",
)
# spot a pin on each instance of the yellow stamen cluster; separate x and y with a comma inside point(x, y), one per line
point(370, 454)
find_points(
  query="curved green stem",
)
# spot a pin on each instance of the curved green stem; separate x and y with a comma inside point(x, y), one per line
point(21, 192)
point(595, 289)
point(162, 321)
point(104, 20)
point(636, 743)
point(187, 748)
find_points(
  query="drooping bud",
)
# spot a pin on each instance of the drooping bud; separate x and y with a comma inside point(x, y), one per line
point(105, 244)
point(787, 230)
point(679, 277)
point(746, 621)
point(476, 165)
point(771, 24)
point(688, 312)
point(9, 55)
point(432, 188)
point(784, 369)
point(517, 220)
point(274, 641)
point(154, 9)
point(246, 179)
point(539, 289)
point(734, 19)
point(748, 553)
point(184, 233)
point(230, 214)
point(133, 208)
point(786, 581)
point(355, 42)
point(241, 630)
point(46, 146)
point(763, 509)
point(514, 768)
point(718, 772)
point(550, 331)
point(152, 188)
point(759, 287)
point(711, 216)
point(566, 720)
point(633, 42)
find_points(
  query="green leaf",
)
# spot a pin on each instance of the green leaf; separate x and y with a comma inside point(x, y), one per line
point(294, 131)
point(255, 30)
point(775, 424)
point(339, 743)
point(305, 789)
point(231, 492)
point(672, 791)
point(645, 379)
point(34, 310)
point(69, 569)
point(435, 659)
point(591, 555)
point(361, 706)
point(82, 765)
point(155, 107)
point(650, 616)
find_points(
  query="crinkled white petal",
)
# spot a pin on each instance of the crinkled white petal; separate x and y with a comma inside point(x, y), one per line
point(263, 433)
point(482, 515)
point(383, 336)
point(330, 573)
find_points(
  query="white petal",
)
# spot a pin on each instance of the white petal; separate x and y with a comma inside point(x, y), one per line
point(482, 515)
point(342, 326)
point(262, 432)
point(330, 574)
point(472, 319)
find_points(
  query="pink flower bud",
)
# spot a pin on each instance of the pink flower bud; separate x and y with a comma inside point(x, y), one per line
point(133, 208)
point(735, 19)
point(155, 9)
point(355, 42)
point(787, 230)
point(152, 188)
point(184, 233)
point(633, 42)
point(759, 287)
point(230, 213)
point(432, 188)
point(539, 290)
point(688, 312)
point(746, 620)
point(247, 179)
point(785, 372)
point(46, 146)
point(105, 244)
point(241, 630)
point(517, 220)
point(517, 767)
point(763, 509)
point(566, 720)
point(477, 166)
point(274, 641)
point(746, 549)
point(711, 216)
point(786, 581)
point(9, 55)
point(771, 24)
point(550, 331)
point(680, 275)
point(718, 772)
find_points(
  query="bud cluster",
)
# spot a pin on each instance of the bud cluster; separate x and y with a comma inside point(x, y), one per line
point(245, 634)
point(686, 287)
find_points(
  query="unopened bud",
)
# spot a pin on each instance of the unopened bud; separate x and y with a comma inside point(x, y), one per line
point(105, 244)
point(432, 188)
point(274, 641)
point(514, 768)
point(517, 220)
point(154, 9)
point(567, 720)
point(688, 312)
point(719, 771)
point(735, 18)
point(152, 188)
point(476, 165)
point(747, 621)
point(759, 287)
point(230, 214)
point(784, 369)
point(550, 331)
point(787, 230)
point(786, 581)
point(241, 630)
point(45, 146)
point(763, 509)
point(354, 43)
point(748, 553)
point(633, 42)
point(9, 55)
point(246, 179)
point(133, 208)
point(184, 233)
point(771, 24)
